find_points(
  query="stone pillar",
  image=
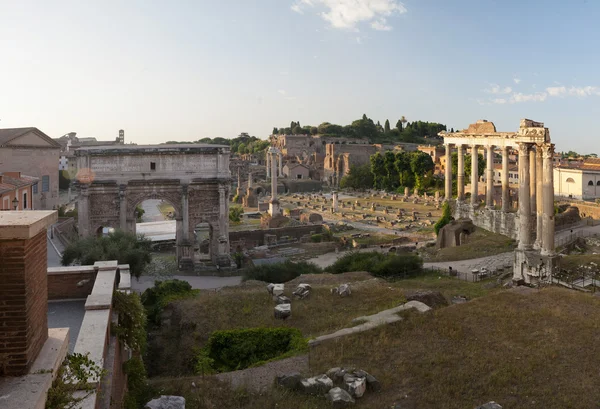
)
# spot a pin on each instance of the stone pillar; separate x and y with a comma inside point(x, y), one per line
point(539, 197)
point(448, 190)
point(548, 198)
point(280, 167)
point(274, 203)
point(185, 212)
point(250, 180)
point(334, 196)
point(524, 198)
point(460, 181)
point(474, 174)
point(122, 207)
point(184, 246)
point(532, 179)
point(505, 187)
point(23, 288)
point(489, 178)
point(83, 211)
point(223, 258)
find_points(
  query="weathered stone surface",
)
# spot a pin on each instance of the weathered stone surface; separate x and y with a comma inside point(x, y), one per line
point(356, 386)
point(459, 299)
point(317, 385)
point(337, 375)
point(373, 385)
point(270, 288)
point(283, 311)
point(339, 398)
point(278, 289)
point(289, 381)
point(433, 299)
point(344, 290)
point(302, 291)
point(166, 402)
point(311, 218)
point(450, 234)
point(282, 299)
point(490, 405)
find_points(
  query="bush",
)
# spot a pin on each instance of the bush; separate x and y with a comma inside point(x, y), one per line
point(280, 272)
point(138, 391)
point(316, 238)
point(231, 350)
point(131, 325)
point(444, 220)
point(378, 264)
point(155, 299)
point(235, 214)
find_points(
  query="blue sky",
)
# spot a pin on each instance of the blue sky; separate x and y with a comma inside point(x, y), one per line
point(184, 70)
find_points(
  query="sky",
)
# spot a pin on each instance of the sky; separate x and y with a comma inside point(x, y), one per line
point(184, 70)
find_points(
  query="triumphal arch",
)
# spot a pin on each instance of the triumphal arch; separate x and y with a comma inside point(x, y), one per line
point(533, 223)
point(194, 178)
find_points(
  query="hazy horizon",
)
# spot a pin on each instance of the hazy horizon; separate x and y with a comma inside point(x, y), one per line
point(191, 70)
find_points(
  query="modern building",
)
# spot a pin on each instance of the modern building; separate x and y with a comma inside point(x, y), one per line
point(32, 152)
point(578, 180)
point(16, 191)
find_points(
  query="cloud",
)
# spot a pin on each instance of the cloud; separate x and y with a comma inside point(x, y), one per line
point(556, 91)
point(496, 89)
point(281, 91)
point(347, 14)
point(584, 91)
point(499, 100)
point(517, 80)
point(537, 97)
point(358, 40)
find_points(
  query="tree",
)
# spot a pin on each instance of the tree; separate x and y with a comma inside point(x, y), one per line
point(241, 149)
point(402, 165)
point(235, 213)
point(275, 131)
point(421, 164)
point(392, 180)
point(399, 126)
point(139, 213)
point(386, 126)
point(365, 128)
point(444, 220)
point(314, 130)
point(125, 247)
point(358, 177)
point(378, 170)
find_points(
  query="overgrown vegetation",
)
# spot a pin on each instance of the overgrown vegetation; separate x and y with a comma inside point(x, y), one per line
point(138, 392)
point(480, 243)
point(444, 220)
point(402, 169)
point(358, 177)
point(156, 298)
point(280, 272)
point(139, 213)
point(379, 264)
point(125, 247)
point(235, 213)
point(231, 350)
point(77, 373)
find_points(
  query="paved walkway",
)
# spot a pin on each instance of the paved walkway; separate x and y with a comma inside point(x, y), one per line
point(465, 266)
point(54, 251)
point(152, 213)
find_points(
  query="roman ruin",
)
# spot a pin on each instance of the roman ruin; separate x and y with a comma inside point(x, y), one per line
point(195, 179)
point(533, 224)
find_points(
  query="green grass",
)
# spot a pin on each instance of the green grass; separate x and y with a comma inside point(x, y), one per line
point(165, 208)
point(481, 243)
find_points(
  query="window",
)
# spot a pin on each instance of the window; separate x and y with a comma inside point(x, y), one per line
point(35, 188)
point(45, 183)
point(152, 165)
point(598, 183)
point(570, 180)
point(24, 200)
point(590, 183)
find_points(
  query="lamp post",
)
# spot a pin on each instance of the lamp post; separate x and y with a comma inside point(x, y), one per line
point(15, 203)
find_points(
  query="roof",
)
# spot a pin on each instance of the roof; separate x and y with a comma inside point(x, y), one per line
point(9, 134)
point(11, 183)
point(295, 165)
point(482, 126)
point(511, 168)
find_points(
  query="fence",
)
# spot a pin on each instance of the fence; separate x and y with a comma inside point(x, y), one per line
point(470, 276)
point(571, 238)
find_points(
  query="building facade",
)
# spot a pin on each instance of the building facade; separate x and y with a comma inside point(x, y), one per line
point(32, 152)
point(15, 185)
point(581, 181)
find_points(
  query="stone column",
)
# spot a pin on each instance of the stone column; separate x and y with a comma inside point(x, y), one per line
point(83, 211)
point(123, 207)
point(250, 180)
point(268, 159)
point(185, 213)
point(274, 203)
point(448, 191)
point(474, 174)
point(505, 187)
point(460, 180)
point(334, 196)
point(548, 198)
point(539, 197)
point(223, 258)
point(489, 178)
point(524, 198)
point(280, 167)
point(532, 179)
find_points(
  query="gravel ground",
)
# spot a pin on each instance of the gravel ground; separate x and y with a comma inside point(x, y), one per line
point(262, 377)
point(465, 266)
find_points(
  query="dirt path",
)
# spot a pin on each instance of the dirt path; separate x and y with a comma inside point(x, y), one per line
point(465, 266)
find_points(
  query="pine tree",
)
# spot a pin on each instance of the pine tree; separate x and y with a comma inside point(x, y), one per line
point(386, 127)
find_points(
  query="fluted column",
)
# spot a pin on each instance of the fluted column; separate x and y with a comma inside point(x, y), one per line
point(123, 208)
point(474, 174)
point(505, 187)
point(460, 178)
point(532, 179)
point(268, 164)
point(524, 198)
point(548, 198)
point(448, 190)
point(489, 178)
point(539, 198)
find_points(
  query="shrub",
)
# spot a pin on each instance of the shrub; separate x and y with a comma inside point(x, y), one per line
point(138, 391)
point(155, 299)
point(444, 220)
point(280, 272)
point(131, 325)
point(316, 238)
point(378, 264)
point(241, 348)
point(235, 214)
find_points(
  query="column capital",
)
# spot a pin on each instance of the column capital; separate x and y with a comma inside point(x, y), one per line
point(548, 150)
point(184, 189)
point(524, 148)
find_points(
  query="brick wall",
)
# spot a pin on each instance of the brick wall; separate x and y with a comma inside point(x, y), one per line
point(23, 302)
point(70, 282)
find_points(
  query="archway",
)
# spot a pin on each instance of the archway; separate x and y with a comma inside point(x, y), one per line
point(202, 250)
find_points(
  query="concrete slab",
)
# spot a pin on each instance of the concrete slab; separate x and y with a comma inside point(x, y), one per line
point(92, 336)
point(24, 225)
point(67, 314)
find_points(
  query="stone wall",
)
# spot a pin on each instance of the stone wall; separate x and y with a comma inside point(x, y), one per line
point(70, 282)
point(495, 221)
point(66, 230)
point(255, 238)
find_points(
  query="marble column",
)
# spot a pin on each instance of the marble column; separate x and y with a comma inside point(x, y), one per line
point(460, 178)
point(489, 178)
point(280, 167)
point(249, 179)
point(185, 213)
point(83, 211)
point(223, 239)
point(532, 179)
point(122, 208)
point(268, 160)
point(274, 203)
point(448, 190)
point(474, 174)
point(524, 198)
point(505, 187)
point(539, 197)
point(334, 197)
point(548, 198)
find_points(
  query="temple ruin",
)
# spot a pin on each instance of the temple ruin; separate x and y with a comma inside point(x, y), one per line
point(533, 223)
